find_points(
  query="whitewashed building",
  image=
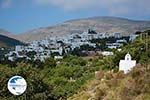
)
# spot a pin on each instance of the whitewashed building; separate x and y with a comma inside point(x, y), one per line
point(133, 37)
point(107, 53)
point(127, 64)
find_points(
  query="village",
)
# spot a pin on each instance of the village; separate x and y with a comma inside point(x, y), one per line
point(58, 46)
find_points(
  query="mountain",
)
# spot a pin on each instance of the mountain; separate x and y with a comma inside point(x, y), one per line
point(6, 41)
point(99, 24)
point(7, 33)
point(4, 32)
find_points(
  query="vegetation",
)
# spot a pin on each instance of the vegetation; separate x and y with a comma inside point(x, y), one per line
point(51, 79)
point(59, 80)
point(9, 42)
point(114, 85)
point(117, 86)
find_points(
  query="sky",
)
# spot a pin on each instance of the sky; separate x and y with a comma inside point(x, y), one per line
point(19, 16)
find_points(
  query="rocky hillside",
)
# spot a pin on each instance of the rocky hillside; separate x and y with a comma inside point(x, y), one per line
point(100, 24)
point(7, 33)
point(117, 86)
point(4, 32)
point(8, 41)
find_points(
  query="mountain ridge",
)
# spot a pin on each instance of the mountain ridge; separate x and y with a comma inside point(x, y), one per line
point(8, 42)
point(110, 17)
point(101, 24)
point(8, 34)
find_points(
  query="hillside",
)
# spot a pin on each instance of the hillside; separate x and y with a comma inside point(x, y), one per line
point(115, 85)
point(74, 77)
point(4, 32)
point(7, 33)
point(100, 24)
point(8, 42)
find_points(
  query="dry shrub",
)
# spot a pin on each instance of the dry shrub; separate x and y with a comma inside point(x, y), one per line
point(108, 75)
point(112, 95)
point(99, 75)
point(119, 75)
point(119, 86)
point(100, 94)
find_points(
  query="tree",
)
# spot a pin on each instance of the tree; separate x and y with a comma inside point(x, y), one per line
point(31, 54)
point(50, 62)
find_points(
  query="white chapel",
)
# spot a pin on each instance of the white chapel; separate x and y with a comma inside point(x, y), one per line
point(127, 64)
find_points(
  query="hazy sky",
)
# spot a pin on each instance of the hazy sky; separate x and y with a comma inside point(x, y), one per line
point(19, 16)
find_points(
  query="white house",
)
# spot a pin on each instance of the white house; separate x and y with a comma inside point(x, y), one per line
point(114, 45)
point(58, 57)
point(127, 64)
point(107, 53)
point(117, 35)
point(133, 37)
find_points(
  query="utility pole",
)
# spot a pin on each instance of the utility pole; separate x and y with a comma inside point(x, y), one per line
point(141, 36)
point(146, 47)
point(146, 42)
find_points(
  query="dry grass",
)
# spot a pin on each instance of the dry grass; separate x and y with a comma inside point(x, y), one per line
point(118, 86)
